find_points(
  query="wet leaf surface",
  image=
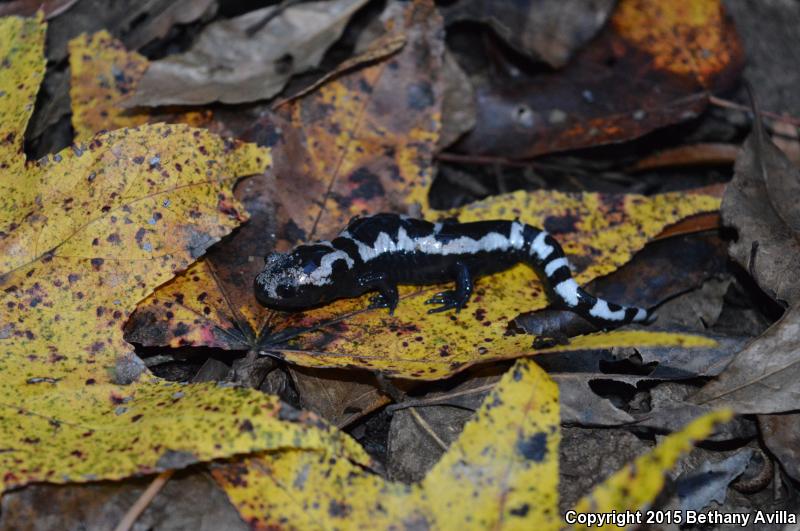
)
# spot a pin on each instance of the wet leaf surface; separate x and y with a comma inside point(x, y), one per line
point(651, 67)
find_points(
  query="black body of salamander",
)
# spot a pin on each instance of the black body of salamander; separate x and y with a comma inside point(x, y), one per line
point(377, 253)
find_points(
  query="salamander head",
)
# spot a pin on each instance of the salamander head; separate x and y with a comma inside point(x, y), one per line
point(301, 279)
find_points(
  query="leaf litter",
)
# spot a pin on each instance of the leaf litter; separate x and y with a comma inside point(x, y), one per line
point(85, 235)
point(285, 207)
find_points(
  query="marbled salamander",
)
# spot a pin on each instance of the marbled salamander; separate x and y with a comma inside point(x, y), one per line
point(377, 253)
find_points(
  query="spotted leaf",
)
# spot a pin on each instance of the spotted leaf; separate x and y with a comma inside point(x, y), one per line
point(84, 235)
point(501, 472)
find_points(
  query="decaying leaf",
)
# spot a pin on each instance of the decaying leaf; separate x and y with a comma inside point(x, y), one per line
point(229, 64)
point(708, 483)
point(458, 103)
point(546, 30)
point(652, 66)
point(502, 470)
point(637, 484)
point(84, 235)
point(102, 74)
point(763, 377)
point(22, 46)
point(766, 246)
point(135, 24)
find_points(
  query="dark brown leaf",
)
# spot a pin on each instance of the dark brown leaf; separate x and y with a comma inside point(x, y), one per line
point(651, 67)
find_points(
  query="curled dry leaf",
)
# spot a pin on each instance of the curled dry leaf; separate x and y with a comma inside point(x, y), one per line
point(704, 154)
point(546, 30)
point(84, 235)
point(502, 469)
point(228, 64)
point(652, 66)
point(382, 47)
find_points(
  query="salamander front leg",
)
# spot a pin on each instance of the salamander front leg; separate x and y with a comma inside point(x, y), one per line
point(386, 297)
point(454, 298)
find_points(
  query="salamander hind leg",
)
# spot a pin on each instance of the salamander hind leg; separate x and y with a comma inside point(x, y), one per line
point(454, 298)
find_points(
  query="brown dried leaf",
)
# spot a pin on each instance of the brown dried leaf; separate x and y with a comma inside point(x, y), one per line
point(764, 376)
point(766, 246)
point(546, 30)
point(229, 64)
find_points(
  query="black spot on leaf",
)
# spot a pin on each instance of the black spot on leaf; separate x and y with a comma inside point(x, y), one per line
point(533, 447)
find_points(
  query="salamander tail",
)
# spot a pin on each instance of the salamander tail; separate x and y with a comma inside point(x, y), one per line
point(546, 256)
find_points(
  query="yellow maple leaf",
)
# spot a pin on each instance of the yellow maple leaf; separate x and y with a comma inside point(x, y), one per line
point(501, 473)
point(84, 235)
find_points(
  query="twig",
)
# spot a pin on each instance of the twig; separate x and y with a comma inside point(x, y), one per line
point(727, 104)
point(444, 399)
point(427, 428)
point(144, 500)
